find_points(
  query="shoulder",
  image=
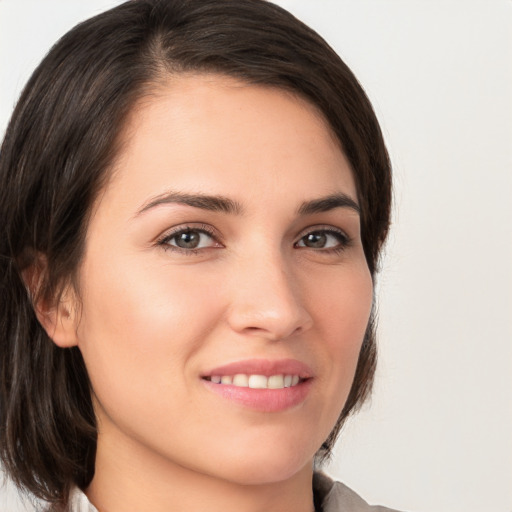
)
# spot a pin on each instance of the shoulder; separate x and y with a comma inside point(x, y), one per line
point(334, 496)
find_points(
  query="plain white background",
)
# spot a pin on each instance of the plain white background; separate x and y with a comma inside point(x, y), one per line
point(437, 435)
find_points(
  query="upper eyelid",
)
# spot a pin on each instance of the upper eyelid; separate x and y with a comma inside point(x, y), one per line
point(323, 227)
point(203, 228)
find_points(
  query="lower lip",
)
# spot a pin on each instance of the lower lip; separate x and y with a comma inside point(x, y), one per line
point(263, 400)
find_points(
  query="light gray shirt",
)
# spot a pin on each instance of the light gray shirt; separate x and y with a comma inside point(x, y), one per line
point(331, 496)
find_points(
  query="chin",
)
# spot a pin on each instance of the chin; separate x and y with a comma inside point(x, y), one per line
point(265, 465)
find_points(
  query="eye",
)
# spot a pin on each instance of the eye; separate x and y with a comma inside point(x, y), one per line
point(189, 239)
point(324, 239)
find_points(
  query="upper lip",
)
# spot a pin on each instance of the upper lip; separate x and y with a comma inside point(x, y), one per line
point(266, 367)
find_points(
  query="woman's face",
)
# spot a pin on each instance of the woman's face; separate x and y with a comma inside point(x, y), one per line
point(226, 243)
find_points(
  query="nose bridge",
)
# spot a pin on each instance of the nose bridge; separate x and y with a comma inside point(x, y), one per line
point(267, 299)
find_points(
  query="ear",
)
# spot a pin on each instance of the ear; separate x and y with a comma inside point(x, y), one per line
point(57, 315)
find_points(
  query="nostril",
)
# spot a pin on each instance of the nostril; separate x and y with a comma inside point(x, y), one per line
point(276, 333)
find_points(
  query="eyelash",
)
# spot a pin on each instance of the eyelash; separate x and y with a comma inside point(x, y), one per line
point(343, 239)
point(203, 228)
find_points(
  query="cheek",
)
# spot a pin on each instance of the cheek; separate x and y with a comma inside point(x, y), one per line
point(140, 325)
point(341, 301)
point(342, 309)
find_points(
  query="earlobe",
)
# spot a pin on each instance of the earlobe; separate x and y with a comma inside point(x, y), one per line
point(57, 315)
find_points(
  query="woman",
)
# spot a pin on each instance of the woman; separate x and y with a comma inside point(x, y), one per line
point(195, 196)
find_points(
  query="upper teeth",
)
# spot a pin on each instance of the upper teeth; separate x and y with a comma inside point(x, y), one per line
point(257, 381)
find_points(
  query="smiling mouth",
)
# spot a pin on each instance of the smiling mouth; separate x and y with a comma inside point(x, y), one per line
point(253, 381)
point(261, 385)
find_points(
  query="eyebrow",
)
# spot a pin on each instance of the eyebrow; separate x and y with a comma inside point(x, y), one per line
point(226, 205)
point(324, 204)
point(205, 202)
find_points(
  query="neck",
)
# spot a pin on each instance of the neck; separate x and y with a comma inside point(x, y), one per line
point(128, 477)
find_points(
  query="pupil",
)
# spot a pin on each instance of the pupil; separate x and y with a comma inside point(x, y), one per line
point(316, 240)
point(188, 240)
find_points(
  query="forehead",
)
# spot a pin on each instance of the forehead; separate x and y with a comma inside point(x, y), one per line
point(218, 135)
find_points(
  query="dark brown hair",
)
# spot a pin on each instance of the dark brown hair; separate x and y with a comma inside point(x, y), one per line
point(56, 156)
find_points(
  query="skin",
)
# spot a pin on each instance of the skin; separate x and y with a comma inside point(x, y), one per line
point(152, 318)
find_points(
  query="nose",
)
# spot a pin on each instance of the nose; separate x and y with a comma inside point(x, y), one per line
point(266, 300)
